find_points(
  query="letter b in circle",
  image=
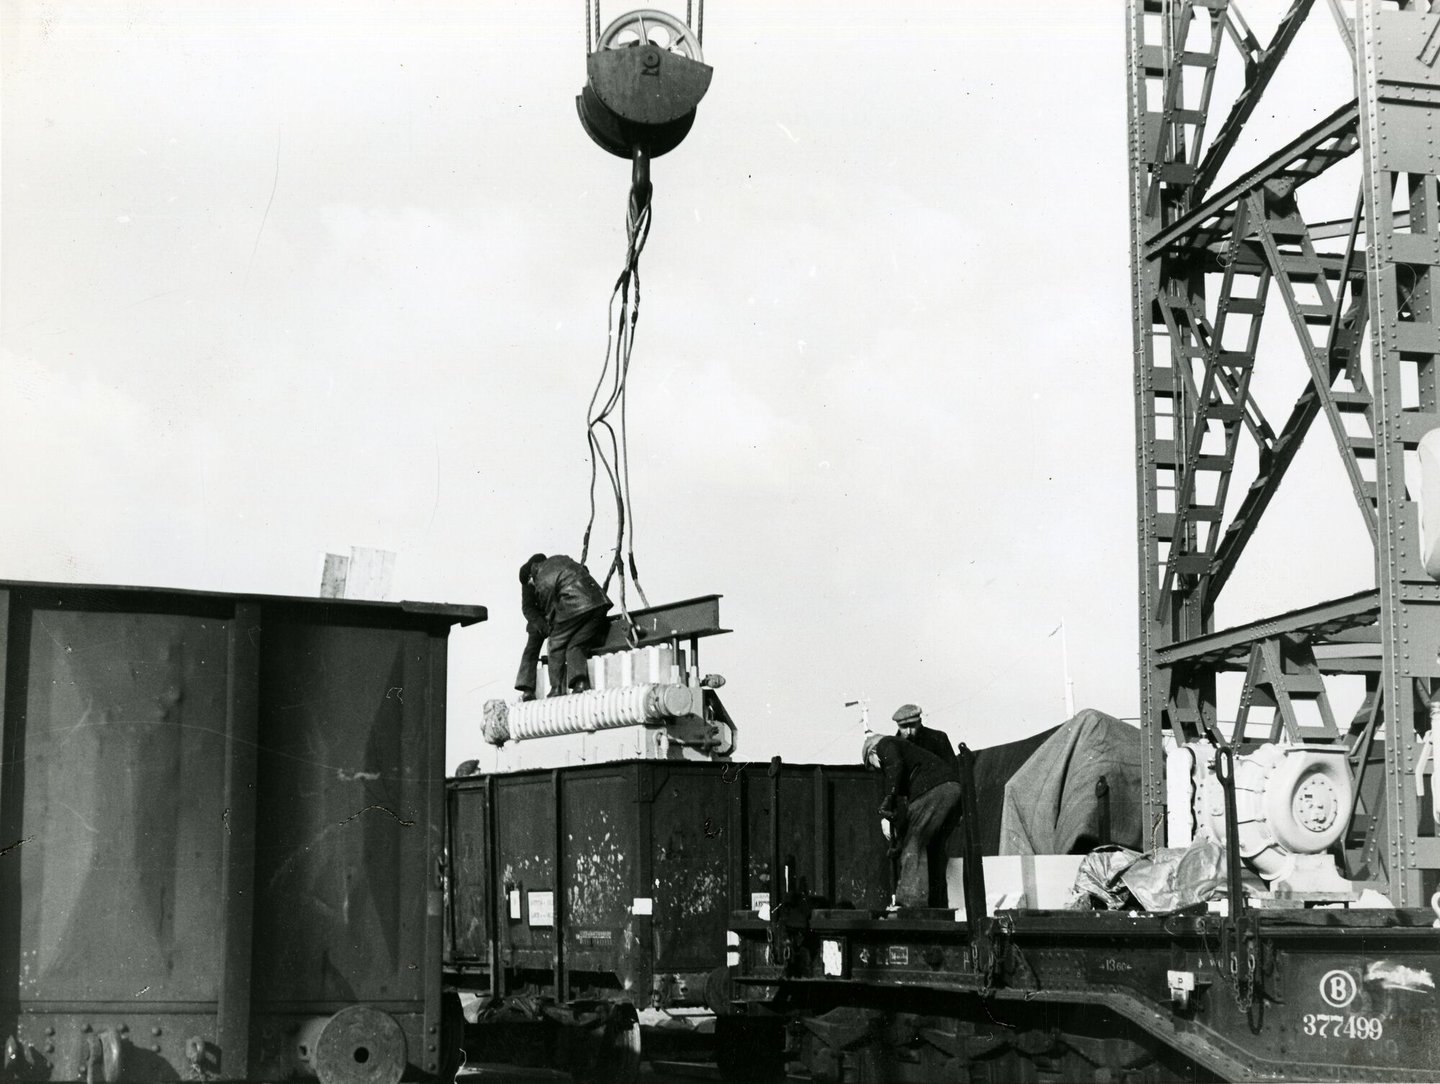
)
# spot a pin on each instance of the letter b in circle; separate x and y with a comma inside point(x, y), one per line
point(1338, 988)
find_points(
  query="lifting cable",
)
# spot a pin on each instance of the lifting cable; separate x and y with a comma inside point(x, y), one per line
point(635, 122)
point(609, 443)
point(699, 26)
point(592, 23)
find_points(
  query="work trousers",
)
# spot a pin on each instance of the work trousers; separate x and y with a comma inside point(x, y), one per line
point(567, 647)
point(929, 816)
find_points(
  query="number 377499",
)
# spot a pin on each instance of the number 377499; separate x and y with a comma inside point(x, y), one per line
point(1328, 1025)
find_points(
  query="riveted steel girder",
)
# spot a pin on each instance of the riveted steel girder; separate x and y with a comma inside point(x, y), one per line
point(1205, 262)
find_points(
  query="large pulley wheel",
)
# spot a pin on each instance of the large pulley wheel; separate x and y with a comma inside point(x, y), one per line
point(645, 79)
point(648, 26)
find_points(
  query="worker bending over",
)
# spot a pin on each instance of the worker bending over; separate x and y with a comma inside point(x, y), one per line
point(911, 727)
point(921, 798)
point(561, 601)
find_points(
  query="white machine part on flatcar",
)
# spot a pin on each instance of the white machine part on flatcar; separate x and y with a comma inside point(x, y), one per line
point(1292, 803)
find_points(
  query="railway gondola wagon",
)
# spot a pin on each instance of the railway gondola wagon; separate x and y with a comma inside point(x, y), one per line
point(588, 904)
point(222, 827)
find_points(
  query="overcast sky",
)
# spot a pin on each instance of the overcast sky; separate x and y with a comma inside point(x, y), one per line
point(283, 278)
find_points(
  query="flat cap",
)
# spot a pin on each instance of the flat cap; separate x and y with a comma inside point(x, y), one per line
point(906, 713)
point(867, 747)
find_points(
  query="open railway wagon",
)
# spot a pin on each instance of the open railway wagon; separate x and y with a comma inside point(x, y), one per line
point(222, 819)
point(589, 903)
point(1299, 741)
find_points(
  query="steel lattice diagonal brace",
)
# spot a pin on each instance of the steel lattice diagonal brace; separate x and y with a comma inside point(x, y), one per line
point(1292, 257)
point(1192, 44)
point(1222, 405)
point(1259, 68)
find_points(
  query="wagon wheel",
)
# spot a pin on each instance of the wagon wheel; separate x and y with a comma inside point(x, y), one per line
point(649, 26)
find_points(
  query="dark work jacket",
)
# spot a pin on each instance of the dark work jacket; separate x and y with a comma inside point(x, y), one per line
point(934, 741)
point(564, 591)
point(909, 771)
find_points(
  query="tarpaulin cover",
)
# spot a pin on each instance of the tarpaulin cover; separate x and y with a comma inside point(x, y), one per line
point(1050, 803)
point(1168, 879)
point(1176, 877)
point(993, 768)
point(1099, 877)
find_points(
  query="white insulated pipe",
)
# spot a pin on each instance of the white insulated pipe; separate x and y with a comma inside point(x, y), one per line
point(584, 713)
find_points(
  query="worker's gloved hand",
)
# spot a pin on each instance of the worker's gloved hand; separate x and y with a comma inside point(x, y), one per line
point(886, 830)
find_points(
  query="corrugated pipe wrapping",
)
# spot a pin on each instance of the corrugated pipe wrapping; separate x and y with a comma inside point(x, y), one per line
point(582, 713)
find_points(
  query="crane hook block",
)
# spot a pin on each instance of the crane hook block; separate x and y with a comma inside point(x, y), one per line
point(645, 80)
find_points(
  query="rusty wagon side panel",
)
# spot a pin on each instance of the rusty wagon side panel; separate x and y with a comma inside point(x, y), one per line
point(616, 880)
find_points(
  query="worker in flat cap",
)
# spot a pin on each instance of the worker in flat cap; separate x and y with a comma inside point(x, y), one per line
point(561, 602)
point(922, 798)
point(911, 727)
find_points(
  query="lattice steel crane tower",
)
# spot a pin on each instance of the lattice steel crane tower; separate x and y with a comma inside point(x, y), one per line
point(1209, 265)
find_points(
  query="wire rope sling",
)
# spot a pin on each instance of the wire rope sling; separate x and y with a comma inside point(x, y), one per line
point(645, 78)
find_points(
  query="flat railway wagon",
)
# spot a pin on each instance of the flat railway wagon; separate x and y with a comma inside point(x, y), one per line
point(221, 836)
point(1293, 993)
